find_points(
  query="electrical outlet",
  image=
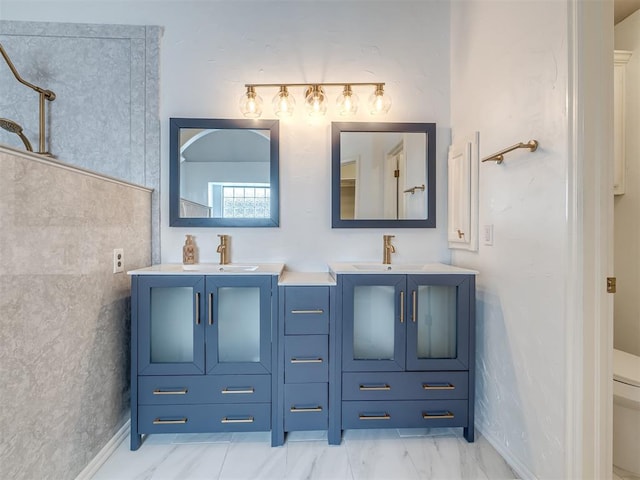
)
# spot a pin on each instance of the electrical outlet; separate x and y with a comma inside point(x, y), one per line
point(487, 235)
point(118, 260)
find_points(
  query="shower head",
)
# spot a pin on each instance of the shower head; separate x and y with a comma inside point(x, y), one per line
point(13, 127)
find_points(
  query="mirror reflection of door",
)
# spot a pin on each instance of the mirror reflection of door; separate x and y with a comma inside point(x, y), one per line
point(388, 180)
point(348, 188)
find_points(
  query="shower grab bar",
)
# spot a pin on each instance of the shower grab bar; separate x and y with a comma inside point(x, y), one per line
point(498, 157)
point(44, 94)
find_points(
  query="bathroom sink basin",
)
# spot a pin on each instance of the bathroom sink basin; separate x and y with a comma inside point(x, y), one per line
point(380, 267)
point(399, 268)
point(214, 267)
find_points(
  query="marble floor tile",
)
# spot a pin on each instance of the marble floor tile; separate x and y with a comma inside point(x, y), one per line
point(423, 454)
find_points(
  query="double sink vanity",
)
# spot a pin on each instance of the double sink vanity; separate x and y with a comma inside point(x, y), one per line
point(254, 347)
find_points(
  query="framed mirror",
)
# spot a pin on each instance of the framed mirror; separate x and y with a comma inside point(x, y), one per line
point(383, 175)
point(223, 173)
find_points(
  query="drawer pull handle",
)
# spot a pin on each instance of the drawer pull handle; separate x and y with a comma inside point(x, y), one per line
point(434, 416)
point(306, 409)
point(438, 386)
point(180, 421)
point(364, 416)
point(236, 420)
point(374, 388)
point(158, 391)
point(317, 311)
point(307, 360)
point(197, 308)
point(237, 390)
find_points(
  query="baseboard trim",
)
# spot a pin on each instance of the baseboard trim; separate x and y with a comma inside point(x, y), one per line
point(521, 470)
point(94, 465)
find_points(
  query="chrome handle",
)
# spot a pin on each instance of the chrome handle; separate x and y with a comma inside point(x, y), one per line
point(443, 386)
point(237, 390)
point(299, 312)
point(434, 416)
point(374, 388)
point(401, 306)
point(197, 308)
point(210, 312)
point(307, 360)
point(310, 409)
point(386, 416)
point(236, 420)
point(170, 392)
point(414, 301)
point(159, 421)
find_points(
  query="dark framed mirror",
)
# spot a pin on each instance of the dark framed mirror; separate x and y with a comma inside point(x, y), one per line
point(223, 173)
point(383, 175)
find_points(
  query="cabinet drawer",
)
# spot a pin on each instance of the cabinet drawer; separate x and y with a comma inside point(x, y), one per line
point(306, 310)
point(306, 358)
point(405, 414)
point(404, 385)
point(306, 406)
point(193, 389)
point(204, 418)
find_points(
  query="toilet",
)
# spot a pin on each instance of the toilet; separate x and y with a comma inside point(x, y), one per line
point(626, 411)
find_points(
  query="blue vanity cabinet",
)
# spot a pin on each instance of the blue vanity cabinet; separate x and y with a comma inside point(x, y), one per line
point(407, 351)
point(201, 353)
point(306, 317)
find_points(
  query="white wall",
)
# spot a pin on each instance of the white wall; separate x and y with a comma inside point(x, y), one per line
point(210, 49)
point(627, 207)
point(509, 68)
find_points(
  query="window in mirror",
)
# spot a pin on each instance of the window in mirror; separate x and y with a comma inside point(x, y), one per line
point(383, 175)
point(223, 173)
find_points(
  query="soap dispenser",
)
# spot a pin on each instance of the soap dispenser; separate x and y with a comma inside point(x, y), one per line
point(189, 251)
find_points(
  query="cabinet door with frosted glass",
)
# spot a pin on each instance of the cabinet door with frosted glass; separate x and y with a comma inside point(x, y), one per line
point(170, 324)
point(438, 323)
point(374, 319)
point(238, 325)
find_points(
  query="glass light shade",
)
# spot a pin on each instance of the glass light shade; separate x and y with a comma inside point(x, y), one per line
point(379, 102)
point(347, 102)
point(283, 103)
point(315, 101)
point(251, 104)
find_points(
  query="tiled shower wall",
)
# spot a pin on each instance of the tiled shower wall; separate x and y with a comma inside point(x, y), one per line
point(64, 316)
point(106, 81)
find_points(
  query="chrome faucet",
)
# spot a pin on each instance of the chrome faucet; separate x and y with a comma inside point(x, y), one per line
point(387, 249)
point(223, 249)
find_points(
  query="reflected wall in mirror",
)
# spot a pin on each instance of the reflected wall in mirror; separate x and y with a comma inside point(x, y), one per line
point(383, 175)
point(223, 173)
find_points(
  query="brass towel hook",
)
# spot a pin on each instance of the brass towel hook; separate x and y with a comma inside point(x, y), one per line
point(498, 157)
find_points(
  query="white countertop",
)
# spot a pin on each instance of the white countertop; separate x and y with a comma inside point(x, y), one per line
point(306, 278)
point(211, 269)
point(364, 268)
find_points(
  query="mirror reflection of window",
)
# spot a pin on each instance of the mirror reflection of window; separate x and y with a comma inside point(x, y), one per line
point(224, 173)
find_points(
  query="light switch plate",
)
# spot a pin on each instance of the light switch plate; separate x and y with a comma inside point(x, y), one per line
point(487, 235)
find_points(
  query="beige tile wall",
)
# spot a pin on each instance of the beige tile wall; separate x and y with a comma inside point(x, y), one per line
point(64, 316)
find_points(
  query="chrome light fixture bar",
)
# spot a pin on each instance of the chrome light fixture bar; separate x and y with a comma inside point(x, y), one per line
point(315, 99)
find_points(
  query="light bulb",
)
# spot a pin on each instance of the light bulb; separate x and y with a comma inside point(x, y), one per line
point(251, 104)
point(379, 102)
point(283, 103)
point(315, 101)
point(347, 102)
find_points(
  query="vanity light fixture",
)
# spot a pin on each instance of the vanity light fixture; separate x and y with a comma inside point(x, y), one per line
point(315, 99)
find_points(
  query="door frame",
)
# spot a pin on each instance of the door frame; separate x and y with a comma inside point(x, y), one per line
point(589, 309)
